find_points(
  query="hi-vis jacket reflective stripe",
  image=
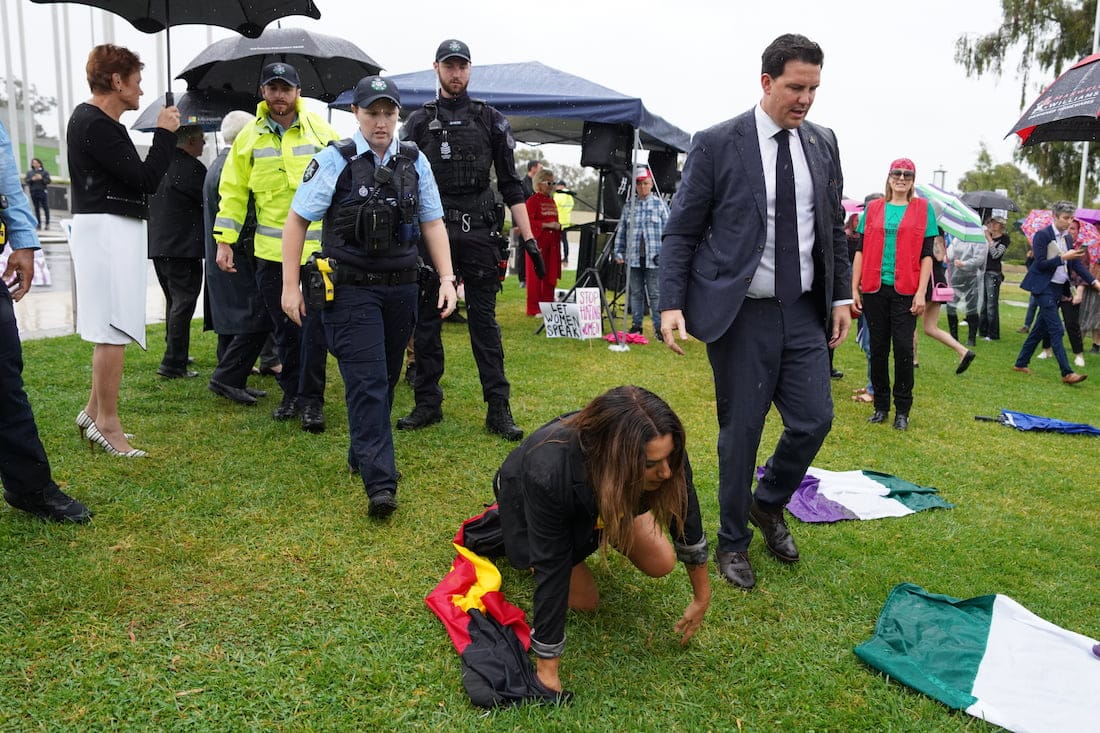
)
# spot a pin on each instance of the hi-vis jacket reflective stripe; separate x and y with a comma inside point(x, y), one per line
point(269, 167)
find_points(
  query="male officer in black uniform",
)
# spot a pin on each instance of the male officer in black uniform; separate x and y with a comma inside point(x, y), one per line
point(377, 199)
point(463, 138)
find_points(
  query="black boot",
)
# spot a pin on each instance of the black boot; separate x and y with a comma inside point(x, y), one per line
point(499, 420)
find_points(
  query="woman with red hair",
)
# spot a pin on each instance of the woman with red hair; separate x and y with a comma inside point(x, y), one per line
point(890, 274)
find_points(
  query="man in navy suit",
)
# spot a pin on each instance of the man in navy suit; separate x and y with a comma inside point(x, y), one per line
point(754, 263)
point(1047, 277)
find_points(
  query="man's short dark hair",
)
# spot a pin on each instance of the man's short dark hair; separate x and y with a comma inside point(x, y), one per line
point(789, 47)
point(533, 164)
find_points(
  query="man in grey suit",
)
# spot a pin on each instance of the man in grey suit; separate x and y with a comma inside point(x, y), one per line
point(754, 263)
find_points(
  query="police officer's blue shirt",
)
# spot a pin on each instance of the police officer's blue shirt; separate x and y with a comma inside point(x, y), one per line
point(314, 196)
point(18, 217)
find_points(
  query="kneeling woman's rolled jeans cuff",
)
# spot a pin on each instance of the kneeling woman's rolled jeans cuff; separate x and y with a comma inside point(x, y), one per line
point(547, 651)
point(692, 554)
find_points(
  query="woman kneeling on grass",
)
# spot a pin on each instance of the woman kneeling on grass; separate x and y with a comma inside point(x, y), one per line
point(612, 474)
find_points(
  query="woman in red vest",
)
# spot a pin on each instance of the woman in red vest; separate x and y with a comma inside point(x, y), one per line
point(890, 275)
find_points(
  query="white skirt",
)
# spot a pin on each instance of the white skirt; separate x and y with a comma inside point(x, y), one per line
point(109, 265)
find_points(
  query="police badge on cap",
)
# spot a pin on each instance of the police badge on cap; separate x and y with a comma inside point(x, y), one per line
point(452, 48)
point(372, 88)
point(279, 71)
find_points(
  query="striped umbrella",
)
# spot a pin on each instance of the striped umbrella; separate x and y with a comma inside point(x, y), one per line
point(956, 218)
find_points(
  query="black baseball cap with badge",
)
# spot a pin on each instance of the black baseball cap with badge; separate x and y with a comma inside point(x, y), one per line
point(279, 71)
point(452, 48)
point(370, 89)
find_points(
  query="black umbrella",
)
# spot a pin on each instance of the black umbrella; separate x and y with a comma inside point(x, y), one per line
point(205, 108)
point(989, 200)
point(247, 17)
point(1067, 109)
point(327, 65)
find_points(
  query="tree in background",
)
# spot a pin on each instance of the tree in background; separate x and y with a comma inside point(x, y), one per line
point(1022, 188)
point(1048, 35)
point(40, 104)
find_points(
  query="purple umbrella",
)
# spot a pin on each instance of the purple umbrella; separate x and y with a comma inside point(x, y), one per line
point(1024, 421)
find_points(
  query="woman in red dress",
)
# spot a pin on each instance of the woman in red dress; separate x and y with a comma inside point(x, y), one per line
point(543, 213)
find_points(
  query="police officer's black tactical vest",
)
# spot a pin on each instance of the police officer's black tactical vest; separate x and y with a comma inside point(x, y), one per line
point(354, 187)
point(458, 145)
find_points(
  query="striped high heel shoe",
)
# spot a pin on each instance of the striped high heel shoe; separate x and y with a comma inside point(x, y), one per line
point(85, 421)
point(94, 436)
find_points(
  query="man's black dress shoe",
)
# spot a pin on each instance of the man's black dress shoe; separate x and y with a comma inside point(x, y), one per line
point(777, 538)
point(901, 422)
point(421, 417)
point(313, 418)
point(736, 569)
point(168, 373)
point(836, 374)
point(382, 504)
point(257, 393)
point(50, 503)
point(236, 394)
point(287, 409)
point(878, 416)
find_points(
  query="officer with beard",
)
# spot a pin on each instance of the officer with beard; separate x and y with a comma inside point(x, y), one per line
point(463, 138)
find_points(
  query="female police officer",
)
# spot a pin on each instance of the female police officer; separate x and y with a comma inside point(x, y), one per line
point(372, 193)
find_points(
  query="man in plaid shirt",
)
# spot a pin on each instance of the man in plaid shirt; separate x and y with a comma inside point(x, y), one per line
point(643, 222)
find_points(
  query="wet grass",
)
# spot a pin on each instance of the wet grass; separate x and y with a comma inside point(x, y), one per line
point(233, 581)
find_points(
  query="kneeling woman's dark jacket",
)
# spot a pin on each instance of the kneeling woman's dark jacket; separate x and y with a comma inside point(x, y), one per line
point(550, 522)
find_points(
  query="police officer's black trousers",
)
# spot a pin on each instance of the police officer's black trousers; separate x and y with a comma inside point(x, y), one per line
point(368, 327)
point(24, 468)
point(481, 314)
point(301, 349)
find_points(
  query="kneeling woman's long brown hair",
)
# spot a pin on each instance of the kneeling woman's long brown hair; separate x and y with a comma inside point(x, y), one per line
point(614, 430)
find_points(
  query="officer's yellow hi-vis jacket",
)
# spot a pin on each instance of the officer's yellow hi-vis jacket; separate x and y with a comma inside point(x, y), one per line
point(270, 167)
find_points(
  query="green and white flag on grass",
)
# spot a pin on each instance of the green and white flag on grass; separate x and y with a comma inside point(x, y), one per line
point(989, 656)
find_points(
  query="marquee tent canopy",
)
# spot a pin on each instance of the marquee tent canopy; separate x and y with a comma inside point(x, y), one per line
point(544, 105)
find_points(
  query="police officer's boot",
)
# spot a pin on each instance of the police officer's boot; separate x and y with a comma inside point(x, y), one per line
point(499, 420)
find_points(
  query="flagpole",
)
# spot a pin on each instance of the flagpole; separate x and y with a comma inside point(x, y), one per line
point(1085, 145)
point(13, 118)
point(28, 115)
point(62, 104)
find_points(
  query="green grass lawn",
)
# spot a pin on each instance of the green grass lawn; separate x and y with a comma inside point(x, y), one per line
point(233, 580)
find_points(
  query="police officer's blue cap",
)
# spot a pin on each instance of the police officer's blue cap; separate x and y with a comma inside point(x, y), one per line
point(452, 48)
point(370, 89)
point(280, 71)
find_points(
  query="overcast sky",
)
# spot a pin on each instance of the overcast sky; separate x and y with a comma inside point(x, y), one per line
point(889, 88)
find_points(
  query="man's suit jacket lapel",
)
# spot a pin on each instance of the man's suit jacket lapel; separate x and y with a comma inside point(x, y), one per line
point(815, 154)
point(748, 147)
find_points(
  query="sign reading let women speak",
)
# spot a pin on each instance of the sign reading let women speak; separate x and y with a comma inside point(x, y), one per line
point(581, 319)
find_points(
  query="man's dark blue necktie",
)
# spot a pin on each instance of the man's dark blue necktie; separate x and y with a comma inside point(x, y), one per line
point(788, 277)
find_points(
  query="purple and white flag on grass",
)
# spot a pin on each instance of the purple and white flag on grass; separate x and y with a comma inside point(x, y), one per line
point(832, 496)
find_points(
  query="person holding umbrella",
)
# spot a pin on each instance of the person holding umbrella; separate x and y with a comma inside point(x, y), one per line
point(997, 239)
point(377, 198)
point(890, 275)
point(266, 164)
point(108, 241)
point(1047, 278)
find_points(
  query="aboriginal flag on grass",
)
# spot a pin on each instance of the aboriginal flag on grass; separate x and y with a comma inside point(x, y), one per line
point(490, 634)
point(989, 656)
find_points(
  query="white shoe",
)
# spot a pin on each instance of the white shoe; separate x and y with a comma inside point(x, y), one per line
point(1079, 360)
point(1043, 355)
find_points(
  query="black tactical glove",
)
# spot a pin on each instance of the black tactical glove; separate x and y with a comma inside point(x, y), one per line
point(532, 248)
